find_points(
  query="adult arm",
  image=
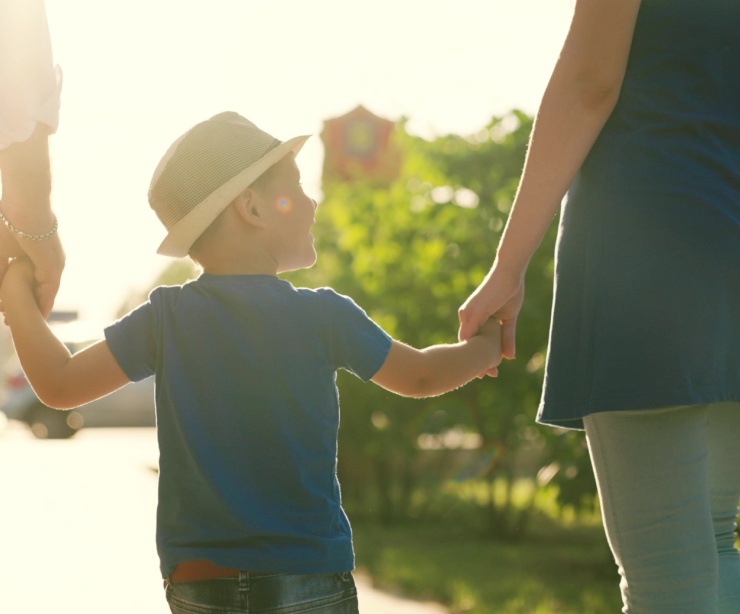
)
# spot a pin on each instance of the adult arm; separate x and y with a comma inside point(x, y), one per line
point(26, 205)
point(437, 369)
point(581, 94)
point(29, 112)
point(60, 379)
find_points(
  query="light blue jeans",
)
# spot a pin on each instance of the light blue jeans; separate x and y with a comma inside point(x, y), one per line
point(266, 593)
point(669, 484)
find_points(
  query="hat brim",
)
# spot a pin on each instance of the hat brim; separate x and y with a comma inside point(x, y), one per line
point(186, 231)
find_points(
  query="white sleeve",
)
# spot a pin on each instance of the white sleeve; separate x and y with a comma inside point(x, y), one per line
point(30, 84)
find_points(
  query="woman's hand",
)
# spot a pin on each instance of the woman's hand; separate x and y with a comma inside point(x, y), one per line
point(17, 279)
point(499, 296)
point(48, 260)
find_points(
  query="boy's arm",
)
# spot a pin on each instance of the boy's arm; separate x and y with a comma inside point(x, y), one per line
point(59, 379)
point(440, 368)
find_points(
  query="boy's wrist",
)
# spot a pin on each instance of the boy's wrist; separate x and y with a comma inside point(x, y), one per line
point(17, 284)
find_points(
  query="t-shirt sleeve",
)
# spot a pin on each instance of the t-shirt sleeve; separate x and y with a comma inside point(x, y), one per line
point(360, 346)
point(132, 342)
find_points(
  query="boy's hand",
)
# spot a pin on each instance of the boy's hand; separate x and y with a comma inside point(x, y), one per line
point(491, 329)
point(20, 271)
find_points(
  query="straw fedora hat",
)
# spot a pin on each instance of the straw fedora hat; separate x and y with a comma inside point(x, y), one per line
point(205, 170)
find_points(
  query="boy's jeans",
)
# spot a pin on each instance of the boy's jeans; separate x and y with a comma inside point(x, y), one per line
point(255, 593)
point(669, 483)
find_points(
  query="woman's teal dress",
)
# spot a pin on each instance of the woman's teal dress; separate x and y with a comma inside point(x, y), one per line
point(646, 312)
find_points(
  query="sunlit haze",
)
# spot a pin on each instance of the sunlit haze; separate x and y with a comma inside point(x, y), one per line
point(139, 73)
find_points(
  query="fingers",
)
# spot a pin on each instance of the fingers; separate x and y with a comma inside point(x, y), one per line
point(492, 372)
point(467, 328)
point(48, 259)
point(508, 338)
point(470, 322)
point(45, 284)
point(45, 295)
point(4, 263)
point(479, 307)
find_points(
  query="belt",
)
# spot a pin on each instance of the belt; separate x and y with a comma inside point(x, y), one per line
point(195, 571)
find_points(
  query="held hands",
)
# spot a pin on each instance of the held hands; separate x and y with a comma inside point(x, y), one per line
point(18, 277)
point(491, 331)
point(48, 260)
point(500, 297)
point(47, 264)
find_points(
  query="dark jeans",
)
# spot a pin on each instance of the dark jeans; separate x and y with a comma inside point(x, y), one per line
point(255, 593)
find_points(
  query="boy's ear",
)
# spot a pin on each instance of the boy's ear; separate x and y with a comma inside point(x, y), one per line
point(247, 207)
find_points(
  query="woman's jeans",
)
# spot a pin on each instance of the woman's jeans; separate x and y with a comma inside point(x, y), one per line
point(669, 483)
point(265, 592)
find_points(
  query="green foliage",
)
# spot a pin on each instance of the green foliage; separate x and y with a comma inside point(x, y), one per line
point(409, 253)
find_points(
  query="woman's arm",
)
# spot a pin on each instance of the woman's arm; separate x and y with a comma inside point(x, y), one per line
point(580, 96)
point(59, 379)
point(29, 113)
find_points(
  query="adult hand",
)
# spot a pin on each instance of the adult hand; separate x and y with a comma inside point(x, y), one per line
point(48, 260)
point(499, 296)
point(9, 249)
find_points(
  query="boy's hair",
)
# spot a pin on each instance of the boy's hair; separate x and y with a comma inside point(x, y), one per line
point(205, 170)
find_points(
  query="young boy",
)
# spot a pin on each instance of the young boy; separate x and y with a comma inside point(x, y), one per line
point(249, 512)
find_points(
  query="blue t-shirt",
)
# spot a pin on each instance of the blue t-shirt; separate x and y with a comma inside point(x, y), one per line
point(247, 417)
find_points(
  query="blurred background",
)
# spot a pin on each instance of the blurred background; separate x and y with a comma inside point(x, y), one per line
point(138, 74)
point(421, 113)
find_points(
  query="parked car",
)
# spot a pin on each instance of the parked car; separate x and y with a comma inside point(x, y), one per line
point(132, 405)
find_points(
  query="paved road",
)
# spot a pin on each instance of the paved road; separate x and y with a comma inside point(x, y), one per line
point(77, 527)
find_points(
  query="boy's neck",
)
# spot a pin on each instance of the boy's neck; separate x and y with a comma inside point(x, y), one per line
point(239, 262)
point(239, 269)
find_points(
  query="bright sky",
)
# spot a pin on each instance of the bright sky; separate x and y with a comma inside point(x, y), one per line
point(137, 74)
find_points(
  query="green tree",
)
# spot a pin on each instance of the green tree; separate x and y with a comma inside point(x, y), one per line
point(409, 253)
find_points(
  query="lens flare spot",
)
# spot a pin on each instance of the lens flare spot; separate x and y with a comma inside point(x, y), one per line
point(284, 204)
point(477, 466)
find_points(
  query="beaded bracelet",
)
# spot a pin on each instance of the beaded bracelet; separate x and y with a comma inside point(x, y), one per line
point(25, 235)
